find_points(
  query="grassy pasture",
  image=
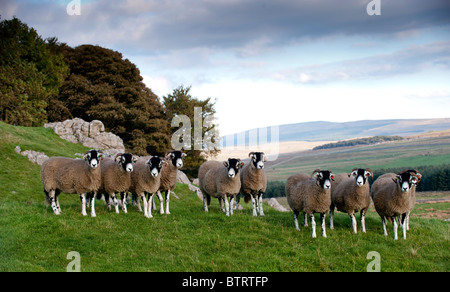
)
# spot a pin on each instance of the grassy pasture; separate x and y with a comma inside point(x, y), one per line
point(34, 239)
point(412, 153)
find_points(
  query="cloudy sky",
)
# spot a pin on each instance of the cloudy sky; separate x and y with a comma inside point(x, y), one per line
point(271, 62)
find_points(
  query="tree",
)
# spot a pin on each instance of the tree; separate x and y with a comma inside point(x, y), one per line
point(30, 74)
point(104, 86)
point(180, 102)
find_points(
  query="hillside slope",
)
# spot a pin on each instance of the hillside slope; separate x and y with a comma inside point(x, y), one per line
point(34, 239)
point(331, 131)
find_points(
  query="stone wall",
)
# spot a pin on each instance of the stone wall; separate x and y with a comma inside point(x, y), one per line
point(90, 134)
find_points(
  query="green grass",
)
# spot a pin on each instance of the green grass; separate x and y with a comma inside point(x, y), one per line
point(34, 239)
point(412, 153)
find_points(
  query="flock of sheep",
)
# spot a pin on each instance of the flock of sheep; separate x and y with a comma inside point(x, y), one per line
point(393, 194)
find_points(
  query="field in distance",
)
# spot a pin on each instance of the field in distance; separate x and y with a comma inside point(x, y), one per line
point(412, 152)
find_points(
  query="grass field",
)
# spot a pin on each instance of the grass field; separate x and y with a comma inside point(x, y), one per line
point(34, 239)
point(408, 153)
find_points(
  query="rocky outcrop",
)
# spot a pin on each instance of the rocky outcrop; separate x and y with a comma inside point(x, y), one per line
point(90, 134)
point(33, 156)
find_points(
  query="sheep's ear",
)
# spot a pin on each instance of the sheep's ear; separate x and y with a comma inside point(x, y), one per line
point(265, 158)
point(354, 173)
point(251, 154)
point(149, 162)
point(241, 164)
point(134, 159)
point(418, 176)
point(100, 154)
point(396, 179)
point(225, 163)
point(87, 155)
point(332, 176)
point(183, 155)
point(118, 157)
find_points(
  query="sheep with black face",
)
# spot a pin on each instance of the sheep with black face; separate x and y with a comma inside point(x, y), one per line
point(392, 195)
point(350, 193)
point(220, 180)
point(174, 161)
point(254, 182)
point(116, 178)
point(72, 176)
point(145, 179)
point(310, 194)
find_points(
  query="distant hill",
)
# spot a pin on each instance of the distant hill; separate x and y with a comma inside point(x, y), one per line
point(331, 131)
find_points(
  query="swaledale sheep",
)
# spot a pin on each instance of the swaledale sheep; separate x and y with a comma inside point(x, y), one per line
point(254, 182)
point(72, 176)
point(310, 194)
point(174, 161)
point(350, 193)
point(116, 178)
point(145, 179)
point(220, 180)
point(392, 196)
point(413, 194)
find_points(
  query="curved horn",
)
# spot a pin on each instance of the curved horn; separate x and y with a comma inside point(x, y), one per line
point(250, 154)
point(370, 170)
point(316, 170)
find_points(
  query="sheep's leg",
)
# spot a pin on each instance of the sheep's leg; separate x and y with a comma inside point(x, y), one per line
point(254, 204)
point(205, 202)
point(322, 219)
point(161, 202)
point(407, 220)
point(404, 227)
point(167, 201)
point(150, 205)
point(221, 204)
point(154, 203)
point(115, 202)
point(57, 192)
point(232, 203)
point(383, 220)
point(108, 201)
point(52, 200)
point(332, 217)
point(144, 199)
point(260, 204)
point(137, 201)
point(395, 226)
point(296, 219)
point(305, 222)
point(123, 198)
point(363, 221)
point(83, 204)
point(353, 219)
point(313, 225)
point(238, 199)
point(227, 206)
point(91, 197)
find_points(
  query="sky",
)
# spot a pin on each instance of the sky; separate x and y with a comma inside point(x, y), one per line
point(269, 62)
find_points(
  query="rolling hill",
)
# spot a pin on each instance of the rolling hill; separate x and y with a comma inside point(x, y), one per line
point(331, 131)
